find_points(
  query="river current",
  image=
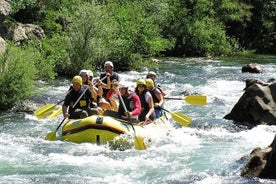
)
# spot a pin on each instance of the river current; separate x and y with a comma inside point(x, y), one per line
point(211, 150)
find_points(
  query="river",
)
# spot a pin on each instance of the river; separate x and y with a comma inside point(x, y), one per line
point(210, 150)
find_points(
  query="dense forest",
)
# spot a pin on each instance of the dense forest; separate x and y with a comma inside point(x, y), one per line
point(84, 33)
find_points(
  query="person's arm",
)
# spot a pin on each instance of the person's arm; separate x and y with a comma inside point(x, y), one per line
point(65, 104)
point(137, 106)
point(151, 107)
point(106, 85)
point(65, 111)
point(110, 93)
point(93, 91)
point(100, 89)
point(159, 96)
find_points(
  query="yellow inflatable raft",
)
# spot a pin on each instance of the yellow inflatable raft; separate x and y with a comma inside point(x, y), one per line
point(105, 129)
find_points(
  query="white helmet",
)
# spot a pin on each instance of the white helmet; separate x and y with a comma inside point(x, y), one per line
point(108, 63)
point(83, 72)
point(89, 73)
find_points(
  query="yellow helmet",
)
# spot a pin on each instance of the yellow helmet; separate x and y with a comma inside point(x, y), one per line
point(149, 83)
point(77, 79)
point(141, 81)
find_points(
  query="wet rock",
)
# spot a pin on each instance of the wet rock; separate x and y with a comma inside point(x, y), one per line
point(256, 106)
point(28, 106)
point(252, 68)
point(249, 82)
point(262, 163)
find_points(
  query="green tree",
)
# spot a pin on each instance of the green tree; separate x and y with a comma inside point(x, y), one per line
point(199, 28)
point(260, 31)
point(90, 36)
point(139, 29)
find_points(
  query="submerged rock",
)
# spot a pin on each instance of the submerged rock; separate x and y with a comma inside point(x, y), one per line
point(252, 68)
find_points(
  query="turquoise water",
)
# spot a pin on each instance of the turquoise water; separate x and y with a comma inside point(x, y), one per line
point(210, 150)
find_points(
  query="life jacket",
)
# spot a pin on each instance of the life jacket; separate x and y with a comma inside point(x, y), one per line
point(152, 92)
point(85, 100)
point(144, 106)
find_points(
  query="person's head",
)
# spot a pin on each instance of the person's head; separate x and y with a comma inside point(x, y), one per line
point(149, 83)
point(77, 82)
point(141, 85)
point(84, 76)
point(151, 75)
point(108, 66)
point(90, 75)
point(114, 82)
point(123, 89)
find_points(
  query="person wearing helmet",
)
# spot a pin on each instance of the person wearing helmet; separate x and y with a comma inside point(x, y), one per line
point(110, 75)
point(87, 79)
point(77, 102)
point(147, 105)
point(157, 97)
point(132, 103)
point(84, 75)
point(152, 75)
point(106, 84)
point(112, 96)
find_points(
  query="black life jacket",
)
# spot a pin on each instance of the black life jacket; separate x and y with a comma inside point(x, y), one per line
point(144, 106)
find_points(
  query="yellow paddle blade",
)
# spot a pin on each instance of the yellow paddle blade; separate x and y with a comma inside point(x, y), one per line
point(55, 113)
point(51, 136)
point(181, 118)
point(44, 111)
point(196, 99)
point(139, 143)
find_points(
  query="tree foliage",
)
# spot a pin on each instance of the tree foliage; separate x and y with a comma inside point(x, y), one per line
point(85, 33)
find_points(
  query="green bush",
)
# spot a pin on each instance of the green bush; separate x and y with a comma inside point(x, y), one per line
point(18, 73)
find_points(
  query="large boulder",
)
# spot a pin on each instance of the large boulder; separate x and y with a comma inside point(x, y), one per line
point(24, 32)
point(256, 106)
point(262, 163)
point(5, 9)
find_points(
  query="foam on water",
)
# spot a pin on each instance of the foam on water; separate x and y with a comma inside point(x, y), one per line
point(210, 150)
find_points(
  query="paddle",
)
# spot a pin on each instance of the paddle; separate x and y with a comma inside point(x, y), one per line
point(139, 143)
point(55, 113)
point(52, 135)
point(179, 118)
point(45, 110)
point(192, 99)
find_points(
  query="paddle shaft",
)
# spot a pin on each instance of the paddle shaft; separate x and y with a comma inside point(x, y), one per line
point(170, 98)
point(124, 106)
point(191, 99)
point(179, 118)
point(165, 110)
point(60, 124)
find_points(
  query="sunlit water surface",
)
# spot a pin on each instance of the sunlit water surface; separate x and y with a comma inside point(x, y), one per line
point(210, 150)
